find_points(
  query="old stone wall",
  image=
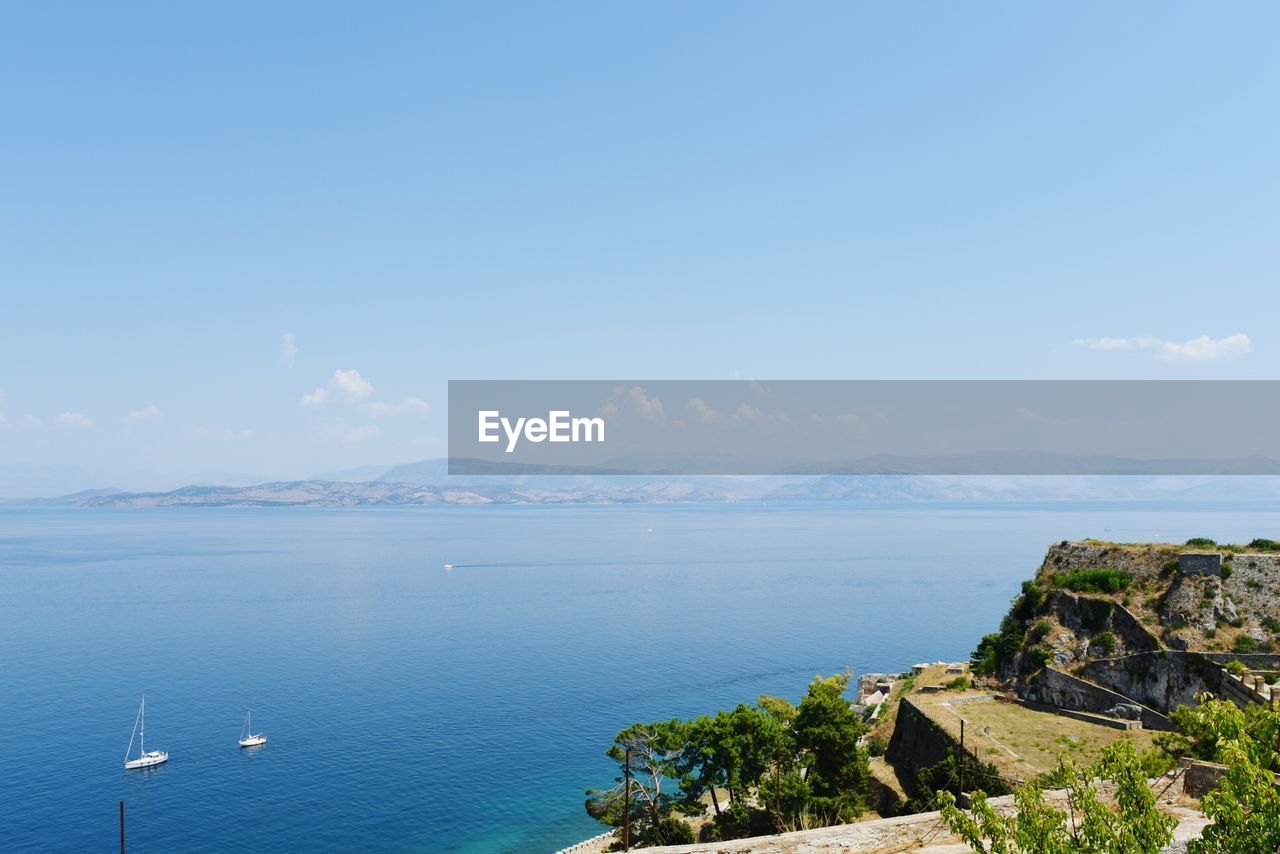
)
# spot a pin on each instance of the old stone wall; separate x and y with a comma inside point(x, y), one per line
point(917, 743)
point(1167, 679)
point(1057, 688)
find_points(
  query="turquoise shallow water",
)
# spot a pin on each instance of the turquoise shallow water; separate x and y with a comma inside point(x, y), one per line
point(413, 709)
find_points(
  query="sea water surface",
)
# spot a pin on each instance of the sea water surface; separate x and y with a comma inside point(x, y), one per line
point(413, 708)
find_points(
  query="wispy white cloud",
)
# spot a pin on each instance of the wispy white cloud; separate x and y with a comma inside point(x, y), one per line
point(703, 411)
point(289, 348)
point(637, 401)
point(31, 422)
point(351, 391)
point(147, 413)
point(351, 385)
point(315, 398)
point(343, 387)
point(1201, 349)
point(77, 420)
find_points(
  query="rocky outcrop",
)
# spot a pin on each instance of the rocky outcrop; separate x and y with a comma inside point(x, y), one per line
point(1144, 562)
point(1089, 617)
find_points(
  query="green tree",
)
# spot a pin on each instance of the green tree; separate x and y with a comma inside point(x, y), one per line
point(786, 794)
point(1135, 827)
point(731, 750)
point(1245, 805)
point(827, 730)
point(649, 794)
point(784, 768)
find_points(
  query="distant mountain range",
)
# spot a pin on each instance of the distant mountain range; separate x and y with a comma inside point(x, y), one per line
point(428, 482)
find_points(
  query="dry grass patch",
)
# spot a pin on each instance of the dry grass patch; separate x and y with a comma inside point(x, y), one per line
point(1023, 742)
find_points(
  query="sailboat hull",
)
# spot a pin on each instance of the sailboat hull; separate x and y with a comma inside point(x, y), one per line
point(253, 741)
point(147, 760)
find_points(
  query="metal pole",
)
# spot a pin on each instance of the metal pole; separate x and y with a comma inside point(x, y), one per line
point(122, 827)
point(961, 757)
point(626, 803)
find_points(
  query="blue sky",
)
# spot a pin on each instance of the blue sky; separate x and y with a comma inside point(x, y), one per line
point(417, 192)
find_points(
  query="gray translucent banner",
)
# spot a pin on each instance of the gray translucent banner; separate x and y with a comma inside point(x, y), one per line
point(863, 427)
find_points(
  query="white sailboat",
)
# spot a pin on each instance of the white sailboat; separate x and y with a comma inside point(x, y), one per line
point(145, 759)
point(247, 738)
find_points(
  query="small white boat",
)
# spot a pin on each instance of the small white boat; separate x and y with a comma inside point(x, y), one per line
point(448, 567)
point(247, 738)
point(145, 759)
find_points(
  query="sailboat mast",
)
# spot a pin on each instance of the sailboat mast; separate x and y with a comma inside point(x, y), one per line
point(142, 734)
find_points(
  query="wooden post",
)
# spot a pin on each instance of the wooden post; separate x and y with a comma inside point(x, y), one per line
point(626, 803)
point(122, 827)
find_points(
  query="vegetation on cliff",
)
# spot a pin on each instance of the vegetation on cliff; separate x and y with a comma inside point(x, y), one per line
point(1244, 806)
point(1130, 632)
point(765, 768)
point(1096, 600)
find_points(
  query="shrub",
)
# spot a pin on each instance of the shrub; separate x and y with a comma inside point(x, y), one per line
point(1264, 545)
point(960, 683)
point(1041, 656)
point(996, 650)
point(669, 830)
point(1041, 630)
point(1225, 571)
point(1026, 605)
point(1135, 826)
point(1271, 624)
point(944, 776)
point(876, 746)
point(1155, 762)
point(1201, 542)
point(1094, 580)
point(1244, 643)
point(1236, 667)
point(1105, 642)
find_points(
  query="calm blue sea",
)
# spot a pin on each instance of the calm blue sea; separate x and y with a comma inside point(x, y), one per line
point(413, 709)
